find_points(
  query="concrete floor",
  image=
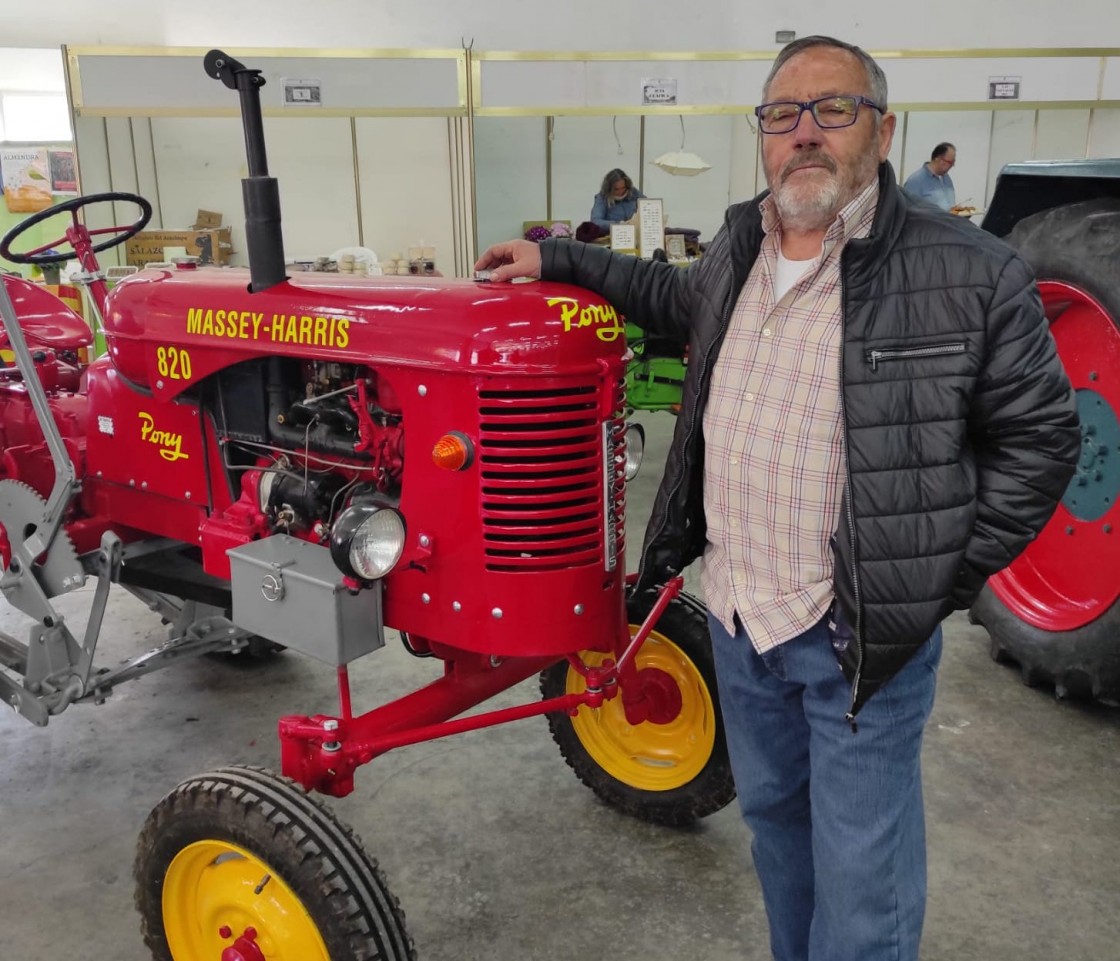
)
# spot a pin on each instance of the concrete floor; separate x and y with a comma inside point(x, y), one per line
point(496, 851)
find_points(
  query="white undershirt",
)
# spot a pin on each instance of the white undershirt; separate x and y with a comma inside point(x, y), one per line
point(789, 272)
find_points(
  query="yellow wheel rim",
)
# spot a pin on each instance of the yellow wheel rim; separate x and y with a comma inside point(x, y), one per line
point(214, 884)
point(648, 756)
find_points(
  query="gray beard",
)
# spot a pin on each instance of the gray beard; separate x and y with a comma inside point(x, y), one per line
point(808, 209)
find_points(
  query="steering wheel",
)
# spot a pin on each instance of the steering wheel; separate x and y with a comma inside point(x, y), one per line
point(81, 235)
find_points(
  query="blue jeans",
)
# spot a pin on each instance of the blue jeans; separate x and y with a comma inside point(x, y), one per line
point(837, 817)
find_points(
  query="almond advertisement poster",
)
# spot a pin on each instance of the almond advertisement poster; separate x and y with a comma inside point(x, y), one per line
point(27, 183)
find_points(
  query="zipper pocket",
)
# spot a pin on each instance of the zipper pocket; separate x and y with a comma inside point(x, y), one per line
point(876, 357)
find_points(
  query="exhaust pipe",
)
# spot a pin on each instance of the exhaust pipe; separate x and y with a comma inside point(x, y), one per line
point(259, 191)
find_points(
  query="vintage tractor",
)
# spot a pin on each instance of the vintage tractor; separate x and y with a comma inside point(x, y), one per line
point(306, 461)
point(1056, 609)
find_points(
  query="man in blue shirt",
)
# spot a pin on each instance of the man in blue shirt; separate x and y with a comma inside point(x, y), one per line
point(931, 181)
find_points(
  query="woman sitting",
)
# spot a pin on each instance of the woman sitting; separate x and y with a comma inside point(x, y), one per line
point(616, 201)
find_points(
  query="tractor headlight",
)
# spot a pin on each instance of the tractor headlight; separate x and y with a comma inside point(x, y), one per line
point(635, 449)
point(367, 541)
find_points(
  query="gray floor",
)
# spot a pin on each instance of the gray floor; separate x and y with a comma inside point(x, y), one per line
point(496, 851)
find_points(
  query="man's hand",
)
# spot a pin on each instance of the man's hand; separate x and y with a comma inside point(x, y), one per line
point(514, 258)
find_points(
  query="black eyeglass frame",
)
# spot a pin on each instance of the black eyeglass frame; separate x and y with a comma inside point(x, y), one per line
point(811, 106)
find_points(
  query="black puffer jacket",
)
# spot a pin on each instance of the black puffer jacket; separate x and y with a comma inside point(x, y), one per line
point(960, 426)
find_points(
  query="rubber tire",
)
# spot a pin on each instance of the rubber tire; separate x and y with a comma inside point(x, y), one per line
point(1078, 244)
point(271, 817)
point(685, 623)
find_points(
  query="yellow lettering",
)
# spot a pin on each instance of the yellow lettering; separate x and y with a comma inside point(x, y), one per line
point(276, 331)
point(568, 309)
point(305, 325)
point(208, 323)
point(194, 320)
point(321, 324)
point(342, 336)
point(258, 319)
point(170, 444)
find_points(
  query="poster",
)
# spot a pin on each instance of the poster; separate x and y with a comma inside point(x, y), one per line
point(64, 172)
point(659, 91)
point(27, 185)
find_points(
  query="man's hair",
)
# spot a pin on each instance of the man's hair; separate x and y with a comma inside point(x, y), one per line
point(610, 179)
point(876, 79)
point(941, 149)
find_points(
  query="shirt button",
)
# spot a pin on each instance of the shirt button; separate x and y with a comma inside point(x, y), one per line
point(766, 331)
point(750, 396)
point(733, 461)
point(733, 522)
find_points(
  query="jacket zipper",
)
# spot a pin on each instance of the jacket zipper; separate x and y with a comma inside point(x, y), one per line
point(849, 509)
point(905, 353)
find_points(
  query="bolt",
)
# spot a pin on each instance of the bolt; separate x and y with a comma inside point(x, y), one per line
point(578, 608)
point(1107, 528)
point(495, 661)
point(224, 932)
point(422, 390)
point(1069, 530)
point(497, 613)
point(330, 725)
point(456, 606)
point(1093, 375)
point(425, 598)
point(187, 495)
point(132, 482)
point(144, 485)
point(425, 540)
point(159, 384)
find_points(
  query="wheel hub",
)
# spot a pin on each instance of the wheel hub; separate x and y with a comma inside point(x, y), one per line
point(1093, 490)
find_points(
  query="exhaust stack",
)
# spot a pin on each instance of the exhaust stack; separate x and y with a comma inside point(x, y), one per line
point(259, 191)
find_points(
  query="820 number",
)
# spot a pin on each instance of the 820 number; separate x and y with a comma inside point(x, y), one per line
point(173, 363)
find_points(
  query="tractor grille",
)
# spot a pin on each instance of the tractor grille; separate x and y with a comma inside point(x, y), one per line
point(544, 461)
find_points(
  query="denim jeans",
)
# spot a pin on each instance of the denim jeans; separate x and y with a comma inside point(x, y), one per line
point(837, 817)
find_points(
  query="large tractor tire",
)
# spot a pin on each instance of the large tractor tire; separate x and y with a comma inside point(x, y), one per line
point(242, 861)
point(672, 769)
point(1056, 609)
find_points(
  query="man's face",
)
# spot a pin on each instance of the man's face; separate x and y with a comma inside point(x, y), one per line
point(943, 164)
point(813, 172)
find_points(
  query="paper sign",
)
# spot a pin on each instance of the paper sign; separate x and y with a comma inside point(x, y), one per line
point(1004, 88)
point(651, 226)
point(624, 238)
point(659, 91)
point(302, 92)
point(27, 185)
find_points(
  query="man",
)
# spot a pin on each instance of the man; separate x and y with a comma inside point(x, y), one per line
point(874, 421)
point(931, 181)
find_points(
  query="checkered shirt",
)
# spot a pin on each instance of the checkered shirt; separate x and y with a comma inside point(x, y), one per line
point(773, 461)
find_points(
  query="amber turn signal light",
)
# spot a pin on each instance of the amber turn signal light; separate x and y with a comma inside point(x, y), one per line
point(453, 451)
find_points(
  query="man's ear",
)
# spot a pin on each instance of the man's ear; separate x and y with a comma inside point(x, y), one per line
point(886, 134)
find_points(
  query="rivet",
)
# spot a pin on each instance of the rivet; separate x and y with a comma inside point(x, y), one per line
point(100, 473)
point(144, 485)
point(132, 482)
point(495, 661)
point(1107, 528)
point(579, 608)
point(187, 495)
point(1092, 375)
point(1069, 530)
point(422, 390)
point(425, 598)
point(159, 384)
point(497, 612)
point(425, 540)
point(456, 606)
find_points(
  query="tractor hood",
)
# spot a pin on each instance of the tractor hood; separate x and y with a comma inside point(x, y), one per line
point(407, 321)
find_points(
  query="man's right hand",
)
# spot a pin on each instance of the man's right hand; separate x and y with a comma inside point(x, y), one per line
point(512, 259)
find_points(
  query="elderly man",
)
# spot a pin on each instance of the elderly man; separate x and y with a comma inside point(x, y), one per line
point(931, 181)
point(874, 421)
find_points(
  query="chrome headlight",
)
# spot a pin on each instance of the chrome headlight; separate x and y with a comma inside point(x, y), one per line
point(367, 541)
point(635, 449)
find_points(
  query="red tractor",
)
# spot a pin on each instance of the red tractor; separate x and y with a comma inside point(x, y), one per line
point(1056, 609)
point(304, 462)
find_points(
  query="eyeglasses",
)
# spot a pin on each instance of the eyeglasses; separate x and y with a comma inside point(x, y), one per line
point(829, 112)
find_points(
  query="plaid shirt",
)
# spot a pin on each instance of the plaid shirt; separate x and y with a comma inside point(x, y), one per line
point(773, 461)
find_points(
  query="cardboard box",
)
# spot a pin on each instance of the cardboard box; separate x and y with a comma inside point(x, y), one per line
point(207, 220)
point(209, 246)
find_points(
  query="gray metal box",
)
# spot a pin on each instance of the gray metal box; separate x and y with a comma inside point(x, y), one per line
point(289, 591)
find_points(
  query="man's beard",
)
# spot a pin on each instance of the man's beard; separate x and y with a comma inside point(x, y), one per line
point(814, 204)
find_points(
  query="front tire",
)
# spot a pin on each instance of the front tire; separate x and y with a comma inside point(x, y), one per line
point(1056, 609)
point(669, 773)
point(240, 852)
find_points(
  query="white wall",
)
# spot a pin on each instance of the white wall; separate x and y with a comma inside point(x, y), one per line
point(564, 25)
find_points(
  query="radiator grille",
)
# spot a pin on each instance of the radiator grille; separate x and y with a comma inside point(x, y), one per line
point(541, 462)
